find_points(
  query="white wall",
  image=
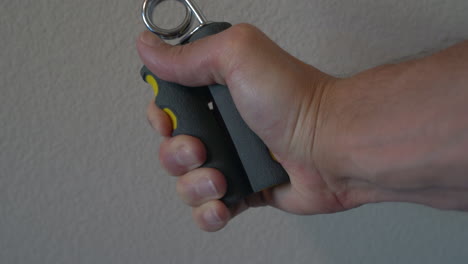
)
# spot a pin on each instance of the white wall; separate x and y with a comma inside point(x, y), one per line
point(79, 177)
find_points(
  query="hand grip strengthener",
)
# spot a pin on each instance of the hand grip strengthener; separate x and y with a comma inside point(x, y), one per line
point(209, 113)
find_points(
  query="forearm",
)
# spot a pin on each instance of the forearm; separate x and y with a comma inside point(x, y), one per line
point(404, 126)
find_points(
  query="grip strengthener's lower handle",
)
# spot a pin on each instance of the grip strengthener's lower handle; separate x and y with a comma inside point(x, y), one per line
point(232, 147)
point(190, 114)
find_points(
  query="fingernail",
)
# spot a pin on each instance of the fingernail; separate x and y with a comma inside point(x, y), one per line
point(149, 39)
point(206, 188)
point(211, 217)
point(186, 159)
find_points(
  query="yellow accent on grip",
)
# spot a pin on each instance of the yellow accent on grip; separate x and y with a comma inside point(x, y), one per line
point(154, 84)
point(273, 156)
point(276, 160)
point(172, 116)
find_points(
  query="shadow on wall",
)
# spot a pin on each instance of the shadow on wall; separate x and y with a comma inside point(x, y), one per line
point(387, 233)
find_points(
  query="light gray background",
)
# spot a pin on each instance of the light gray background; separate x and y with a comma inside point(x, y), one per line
point(79, 177)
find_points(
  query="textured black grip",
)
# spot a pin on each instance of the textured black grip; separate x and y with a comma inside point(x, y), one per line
point(193, 117)
point(262, 170)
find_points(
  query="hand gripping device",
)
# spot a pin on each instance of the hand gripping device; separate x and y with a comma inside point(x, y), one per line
point(209, 114)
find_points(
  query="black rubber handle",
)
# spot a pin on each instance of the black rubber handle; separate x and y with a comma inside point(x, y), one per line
point(259, 164)
point(190, 112)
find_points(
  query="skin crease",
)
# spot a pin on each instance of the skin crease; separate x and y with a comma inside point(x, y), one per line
point(393, 133)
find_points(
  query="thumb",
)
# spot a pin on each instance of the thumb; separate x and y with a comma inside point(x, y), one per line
point(193, 64)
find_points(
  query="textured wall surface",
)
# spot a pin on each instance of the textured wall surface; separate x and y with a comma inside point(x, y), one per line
point(79, 177)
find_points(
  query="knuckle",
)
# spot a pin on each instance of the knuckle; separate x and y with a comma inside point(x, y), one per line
point(238, 44)
point(177, 57)
point(244, 29)
point(187, 194)
point(200, 186)
point(242, 37)
point(184, 192)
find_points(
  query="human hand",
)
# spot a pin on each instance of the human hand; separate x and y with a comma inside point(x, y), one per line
point(277, 95)
point(312, 122)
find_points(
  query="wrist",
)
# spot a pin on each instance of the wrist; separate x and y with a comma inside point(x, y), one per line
point(348, 143)
point(357, 122)
point(398, 129)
